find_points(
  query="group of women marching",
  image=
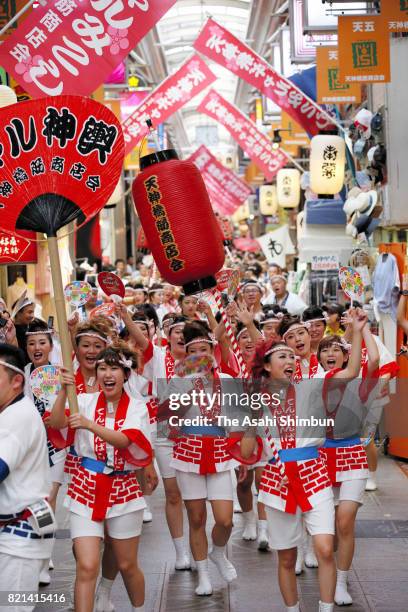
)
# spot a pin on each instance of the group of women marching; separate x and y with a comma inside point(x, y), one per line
point(308, 460)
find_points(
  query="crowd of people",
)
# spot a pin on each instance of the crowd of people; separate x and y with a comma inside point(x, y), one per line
point(323, 377)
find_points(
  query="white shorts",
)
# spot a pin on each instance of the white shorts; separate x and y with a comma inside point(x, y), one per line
point(164, 454)
point(57, 472)
point(118, 527)
point(19, 574)
point(285, 530)
point(205, 486)
point(350, 490)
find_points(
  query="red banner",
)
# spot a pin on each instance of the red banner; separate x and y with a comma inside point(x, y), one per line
point(257, 146)
point(17, 249)
point(228, 189)
point(175, 91)
point(222, 47)
point(71, 46)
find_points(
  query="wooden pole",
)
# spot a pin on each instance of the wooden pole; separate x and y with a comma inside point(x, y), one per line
point(59, 298)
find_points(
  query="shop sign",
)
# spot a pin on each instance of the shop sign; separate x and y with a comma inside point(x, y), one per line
point(330, 89)
point(325, 262)
point(19, 249)
point(244, 131)
point(364, 49)
point(395, 13)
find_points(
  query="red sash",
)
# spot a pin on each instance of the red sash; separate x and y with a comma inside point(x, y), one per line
point(287, 433)
point(169, 364)
point(104, 482)
point(313, 366)
point(216, 392)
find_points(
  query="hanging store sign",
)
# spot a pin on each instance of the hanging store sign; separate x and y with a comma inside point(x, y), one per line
point(364, 49)
point(221, 46)
point(255, 144)
point(19, 249)
point(175, 91)
point(232, 189)
point(330, 89)
point(71, 46)
point(325, 262)
point(395, 13)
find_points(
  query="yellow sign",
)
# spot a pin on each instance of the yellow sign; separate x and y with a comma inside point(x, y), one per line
point(330, 89)
point(395, 13)
point(364, 49)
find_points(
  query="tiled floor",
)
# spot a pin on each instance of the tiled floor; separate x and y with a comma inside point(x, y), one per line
point(378, 580)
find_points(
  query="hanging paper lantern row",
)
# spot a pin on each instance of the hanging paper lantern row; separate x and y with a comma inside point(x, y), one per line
point(288, 187)
point(59, 157)
point(177, 217)
point(141, 242)
point(327, 164)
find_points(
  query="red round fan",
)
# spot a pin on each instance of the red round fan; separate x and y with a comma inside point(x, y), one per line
point(111, 284)
point(60, 157)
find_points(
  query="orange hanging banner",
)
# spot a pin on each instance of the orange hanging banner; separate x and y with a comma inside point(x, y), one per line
point(395, 13)
point(330, 89)
point(364, 49)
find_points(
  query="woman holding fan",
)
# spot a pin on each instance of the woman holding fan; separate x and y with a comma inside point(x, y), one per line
point(112, 441)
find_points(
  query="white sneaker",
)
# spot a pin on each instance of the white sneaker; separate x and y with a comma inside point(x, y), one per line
point(50, 565)
point(371, 484)
point(44, 579)
point(224, 566)
point(147, 515)
point(249, 532)
point(237, 508)
point(299, 561)
point(310, 559)
point(103, 601)
point(342, 597)
point(263, 540)
point(183, 562)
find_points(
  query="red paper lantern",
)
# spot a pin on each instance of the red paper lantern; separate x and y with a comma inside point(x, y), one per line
point(177, 217)
point(141, 242)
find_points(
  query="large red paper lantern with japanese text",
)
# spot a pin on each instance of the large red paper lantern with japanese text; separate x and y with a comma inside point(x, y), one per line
point(177, 217)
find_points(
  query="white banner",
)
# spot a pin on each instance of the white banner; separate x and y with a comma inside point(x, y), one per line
point(276, 245)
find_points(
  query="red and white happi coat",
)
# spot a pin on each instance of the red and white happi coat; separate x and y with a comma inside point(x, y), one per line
point(202, 454)
point(308, 481)
point(72, 461)
point(99, 496)
point(346, 462)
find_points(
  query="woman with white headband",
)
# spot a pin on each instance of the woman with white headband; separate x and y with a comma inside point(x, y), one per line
point(304, 489)
point(39, 345)
point(158, 368)
point(315, 320)
point(343, 450)
point(200, 456)
point(112, 440)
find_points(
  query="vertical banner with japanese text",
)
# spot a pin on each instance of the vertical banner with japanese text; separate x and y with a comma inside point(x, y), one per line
point(364, 49)
point(191, 78)
point(257, 146)
point(330, 89)
point(67, 46)
point(218, 44)
point(227, 189)
point(395, 13)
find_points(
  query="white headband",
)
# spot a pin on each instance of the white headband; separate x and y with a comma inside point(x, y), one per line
point(36, 333)
point(26, 302)
point(126, 363)
point(344, 345)
point(251, 285)
point(244, 329)
point(198, 340)
point(181, 323)
point(309, 321)
point(293, 327)
point(155, 290)
point(92, 335)
point(11, 367)
point(282, 276)
point(274, 349)
point(276, 318)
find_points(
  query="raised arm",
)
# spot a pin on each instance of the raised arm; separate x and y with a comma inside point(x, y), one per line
point(352, 370)
point(373, 354)
point(132, 327)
